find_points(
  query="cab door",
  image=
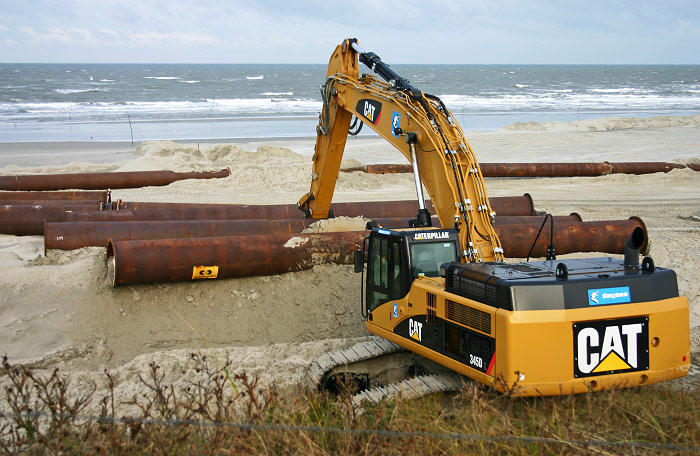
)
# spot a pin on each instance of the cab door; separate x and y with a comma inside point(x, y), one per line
point(385, 282)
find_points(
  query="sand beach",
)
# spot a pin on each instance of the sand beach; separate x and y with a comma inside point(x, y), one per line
point(60, 310)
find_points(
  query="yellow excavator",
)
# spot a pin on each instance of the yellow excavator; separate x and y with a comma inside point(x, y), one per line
point(530, 328)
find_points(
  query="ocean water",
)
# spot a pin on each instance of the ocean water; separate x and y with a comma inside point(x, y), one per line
point(108, 102)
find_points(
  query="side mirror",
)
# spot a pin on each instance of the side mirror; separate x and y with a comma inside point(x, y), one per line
point(359, 260)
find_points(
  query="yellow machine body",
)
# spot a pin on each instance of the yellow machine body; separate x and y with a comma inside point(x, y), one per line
point(534, 350)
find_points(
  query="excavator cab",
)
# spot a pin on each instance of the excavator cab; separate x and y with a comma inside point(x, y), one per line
point(396, 257)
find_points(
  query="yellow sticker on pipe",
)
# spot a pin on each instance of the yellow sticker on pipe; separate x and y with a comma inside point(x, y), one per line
point(205, 272)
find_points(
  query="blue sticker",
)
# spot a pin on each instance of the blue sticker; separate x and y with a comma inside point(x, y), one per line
point(396, 310)
point(395, 123)
point(604, 296)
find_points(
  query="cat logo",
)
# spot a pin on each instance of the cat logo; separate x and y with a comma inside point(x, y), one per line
point(611, 347)
point(370, 109)
point(415, 330)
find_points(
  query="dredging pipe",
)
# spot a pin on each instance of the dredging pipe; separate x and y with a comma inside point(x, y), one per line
point(544, 169)
point(508, 205)
point(503, 205)
point(396, 222)
point(55, 202)
point(515, 169)
point(96, 181)
point(175, 260)
point(643, 167)
point(103, 196)
point(29, 220)
point(608, 236)
point(171, 260)
point(74, 235)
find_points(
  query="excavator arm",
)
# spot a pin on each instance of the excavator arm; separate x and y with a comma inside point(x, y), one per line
point(421, 128)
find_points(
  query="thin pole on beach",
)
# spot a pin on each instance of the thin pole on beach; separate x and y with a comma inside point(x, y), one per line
point(131, 130)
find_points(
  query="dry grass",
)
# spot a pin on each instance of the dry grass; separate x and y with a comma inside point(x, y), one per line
point(219, 414)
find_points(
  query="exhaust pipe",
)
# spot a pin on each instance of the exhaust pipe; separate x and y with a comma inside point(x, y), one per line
point(632, 246)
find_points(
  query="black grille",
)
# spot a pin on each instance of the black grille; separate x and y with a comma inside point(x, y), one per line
point(475, 281)
point(431, 312)
point(468, 316)
point(471, 288)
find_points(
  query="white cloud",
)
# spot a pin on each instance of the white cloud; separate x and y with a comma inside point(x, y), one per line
point(107, 37)
point(164, 39)
point(68, 36)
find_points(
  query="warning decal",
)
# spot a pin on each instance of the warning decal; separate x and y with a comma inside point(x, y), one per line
point(611, 346)
point(204, 272)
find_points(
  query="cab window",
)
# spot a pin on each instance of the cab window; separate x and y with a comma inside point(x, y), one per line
point(426, 257)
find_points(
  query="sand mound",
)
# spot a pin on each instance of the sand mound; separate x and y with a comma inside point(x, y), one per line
point(62, 310)
point(350, 164)
point(337, 224)
point(184, 157)
point(608, 124)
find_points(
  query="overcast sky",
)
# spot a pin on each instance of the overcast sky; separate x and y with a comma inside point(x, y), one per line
point(406, 31)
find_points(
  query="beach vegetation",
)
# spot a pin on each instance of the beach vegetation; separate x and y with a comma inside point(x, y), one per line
point(217, 412)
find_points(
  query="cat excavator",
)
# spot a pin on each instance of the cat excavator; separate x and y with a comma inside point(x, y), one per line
point(446, 294)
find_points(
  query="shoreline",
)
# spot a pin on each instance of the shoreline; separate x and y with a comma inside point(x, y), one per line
point(660, 138)
point(244, 129)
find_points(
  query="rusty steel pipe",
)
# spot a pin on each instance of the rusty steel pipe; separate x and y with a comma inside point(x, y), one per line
point(398, 222)
point(514, 169)
point(643, 167)
point(55, 202)
point(571, 235)
point(607, 236)
point(74, 235)
point(387, 168)
point(534, 219)
point(545, 169)
point(174, 260)
point(171, 260)
point(103, 196)
point(29, 220)
point(504, 205)
point(97, 181)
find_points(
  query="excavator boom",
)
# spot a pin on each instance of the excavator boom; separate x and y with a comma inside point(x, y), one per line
point(421, 128)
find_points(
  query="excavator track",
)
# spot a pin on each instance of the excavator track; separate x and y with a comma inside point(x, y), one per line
point(377, 369)
point(411, 388)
